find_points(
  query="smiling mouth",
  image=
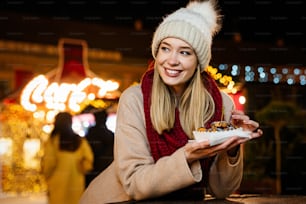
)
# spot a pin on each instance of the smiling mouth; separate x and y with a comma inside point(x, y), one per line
point(172, 72)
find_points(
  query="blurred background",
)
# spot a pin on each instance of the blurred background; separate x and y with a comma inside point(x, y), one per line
point(103, 47)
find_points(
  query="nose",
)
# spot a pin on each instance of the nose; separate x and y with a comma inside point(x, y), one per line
point(173, 59)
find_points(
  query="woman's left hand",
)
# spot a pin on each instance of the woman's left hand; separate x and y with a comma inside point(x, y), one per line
point(198, 150)
point(239, 119)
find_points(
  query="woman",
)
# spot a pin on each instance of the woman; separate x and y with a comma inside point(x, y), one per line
point(66, 160)
point(152, 156)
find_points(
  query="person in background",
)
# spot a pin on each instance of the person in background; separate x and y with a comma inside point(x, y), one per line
point(67, 157)
point(153, 158)
point(101, 140)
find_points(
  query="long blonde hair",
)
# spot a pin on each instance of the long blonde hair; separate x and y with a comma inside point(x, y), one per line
point(196, 105)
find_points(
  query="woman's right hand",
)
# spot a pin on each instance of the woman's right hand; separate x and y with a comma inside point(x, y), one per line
point(197, 150)
point(200, 150)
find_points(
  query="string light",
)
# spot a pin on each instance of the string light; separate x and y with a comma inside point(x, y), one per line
point(225, 80)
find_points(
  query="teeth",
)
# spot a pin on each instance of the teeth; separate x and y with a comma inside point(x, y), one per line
point(170, 71)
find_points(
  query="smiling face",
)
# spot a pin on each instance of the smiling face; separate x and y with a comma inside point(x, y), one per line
point(176, 63)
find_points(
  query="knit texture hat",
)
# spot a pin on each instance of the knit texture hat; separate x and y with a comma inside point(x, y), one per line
point(196, 24)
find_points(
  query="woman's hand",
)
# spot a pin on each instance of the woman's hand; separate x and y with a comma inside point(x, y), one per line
point(199, 150)
point(239, 119)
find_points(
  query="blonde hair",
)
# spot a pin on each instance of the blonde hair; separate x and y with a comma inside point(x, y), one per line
point(196, 105)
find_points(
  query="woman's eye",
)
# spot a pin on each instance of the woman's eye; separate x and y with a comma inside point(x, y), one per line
point(164, 48)
point(185, 52)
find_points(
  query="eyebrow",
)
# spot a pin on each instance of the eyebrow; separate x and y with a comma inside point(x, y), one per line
point(184, 47)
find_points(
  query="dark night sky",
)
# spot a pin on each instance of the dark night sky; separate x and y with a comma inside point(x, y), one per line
point(261, 21)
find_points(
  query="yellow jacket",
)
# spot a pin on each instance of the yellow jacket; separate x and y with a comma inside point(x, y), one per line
point(65, 171)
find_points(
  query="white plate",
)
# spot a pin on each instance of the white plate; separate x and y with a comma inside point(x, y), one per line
point(215, 138)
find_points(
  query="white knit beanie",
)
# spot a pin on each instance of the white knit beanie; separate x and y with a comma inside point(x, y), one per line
point(196, 24)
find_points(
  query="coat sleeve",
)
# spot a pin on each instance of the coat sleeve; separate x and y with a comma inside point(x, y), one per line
point(225, 177)
point(140, 176)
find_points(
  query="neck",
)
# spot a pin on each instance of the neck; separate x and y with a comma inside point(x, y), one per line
point(178, 90)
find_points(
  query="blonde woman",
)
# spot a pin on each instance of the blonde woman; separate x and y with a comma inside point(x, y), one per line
point(152, 156)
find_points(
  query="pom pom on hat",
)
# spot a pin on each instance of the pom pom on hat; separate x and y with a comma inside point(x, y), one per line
point(196, 24)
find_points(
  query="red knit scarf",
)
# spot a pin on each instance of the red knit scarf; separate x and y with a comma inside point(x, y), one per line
point(170, 141)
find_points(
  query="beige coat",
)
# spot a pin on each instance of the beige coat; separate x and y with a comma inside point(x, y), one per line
point(134, 176)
